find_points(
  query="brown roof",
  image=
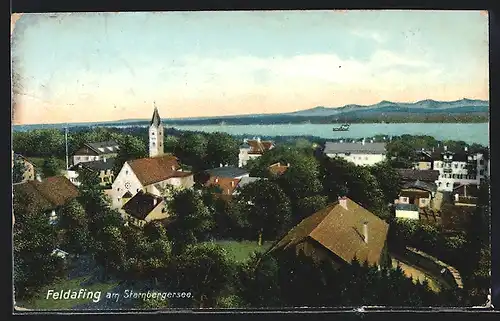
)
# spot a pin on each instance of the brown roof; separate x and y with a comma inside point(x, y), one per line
point(340, 231)
point(156, 169)
point(51, 192)
point(258, 146)
point(142, 204)
point(427, 175)
point(226, 184)
point(277, 169)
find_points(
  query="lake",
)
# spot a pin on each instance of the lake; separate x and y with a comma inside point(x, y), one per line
point(469, 133)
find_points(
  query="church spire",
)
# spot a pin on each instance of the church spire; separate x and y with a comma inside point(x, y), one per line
point(156, 119)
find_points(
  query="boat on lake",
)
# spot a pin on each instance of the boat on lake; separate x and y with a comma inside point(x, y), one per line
point(342, 128)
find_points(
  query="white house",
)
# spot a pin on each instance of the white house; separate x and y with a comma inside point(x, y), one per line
point(253, 148)
point(407, 211)
point(461, 168)
point(363, 154)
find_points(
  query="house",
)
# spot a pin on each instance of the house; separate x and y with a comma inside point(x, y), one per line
point(228, 172)
point(48, 195)
point(460, 167)
point(363, 154)
point(418, 193)
point(339, 233)
point(95, 151)
point(408, 211)
point(154, 174)
point(253, 148)
point(424, 160)
point(103, 167)
point(465, 194)
point(278, 168)
point(227, 187)
point(29, 168)
point(144, 207)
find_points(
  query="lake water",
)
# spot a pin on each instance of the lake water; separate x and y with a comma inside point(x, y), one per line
point(469, 133)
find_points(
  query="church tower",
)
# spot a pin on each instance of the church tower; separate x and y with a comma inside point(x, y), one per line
point(155, 135)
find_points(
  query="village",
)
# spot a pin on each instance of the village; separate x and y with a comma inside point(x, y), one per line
point(349, 203)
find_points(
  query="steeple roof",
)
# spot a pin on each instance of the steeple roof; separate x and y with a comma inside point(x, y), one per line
point(156, 119)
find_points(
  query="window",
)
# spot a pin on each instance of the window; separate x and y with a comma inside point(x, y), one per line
point(126, 172)
point(86, 158)
point(119, 199)
point(447, 184)
point(481, 172)
point(118, 189)
point(77, 157)
point(152, 133)
point(153, 144)
point(456, 165)
point(439, 183)
point(366, 157)
point(138, 190)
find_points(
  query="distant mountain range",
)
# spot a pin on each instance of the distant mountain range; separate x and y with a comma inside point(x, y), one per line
point(464, 110)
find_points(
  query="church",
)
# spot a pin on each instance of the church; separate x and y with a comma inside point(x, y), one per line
point(152, 175)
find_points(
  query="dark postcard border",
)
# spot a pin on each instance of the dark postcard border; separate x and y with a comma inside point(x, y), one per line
point(92, 5)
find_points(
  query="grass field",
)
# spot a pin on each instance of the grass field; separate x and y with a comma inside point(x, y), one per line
point(240, 251)
point(40, 301)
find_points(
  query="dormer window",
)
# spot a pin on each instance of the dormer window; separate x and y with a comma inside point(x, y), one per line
point(152, 133)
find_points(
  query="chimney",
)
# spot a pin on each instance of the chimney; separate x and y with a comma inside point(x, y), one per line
point(456, 197)
point(365, 231)
point(343, 202)
point(38, 177)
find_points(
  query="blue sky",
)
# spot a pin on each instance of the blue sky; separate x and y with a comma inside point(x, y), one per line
point(114, 65)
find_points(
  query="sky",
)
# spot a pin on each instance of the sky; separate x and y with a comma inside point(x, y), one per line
point(83, 67)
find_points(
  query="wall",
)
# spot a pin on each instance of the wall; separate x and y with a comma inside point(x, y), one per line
point(29, 173)
point(157, 213)
point(118, 188)
point(411, 215)
point(156, 145)
point(360, 159)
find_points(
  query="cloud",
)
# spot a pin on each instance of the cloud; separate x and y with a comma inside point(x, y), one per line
point(369, 34)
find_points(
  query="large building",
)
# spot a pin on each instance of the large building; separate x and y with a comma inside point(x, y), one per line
point(363, 154)
point(103, 168)
point(151, 175)
point(461, 168)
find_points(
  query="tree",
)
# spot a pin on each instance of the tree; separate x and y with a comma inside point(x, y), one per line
point(222, 148)
point(205, 271)
point(400, 153)
point(51, 167)
point(18, 171)
point(34, 240)
point(388, 179)
point(131, 148)
point(191, 219)
point(309, 205)
point(192, 150)
point(342, 178)
point(73, 225)
point(267, 207)
point(110, 249)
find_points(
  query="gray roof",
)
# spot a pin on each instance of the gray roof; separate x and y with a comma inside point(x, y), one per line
point(156, 119)
point(97, 165)
point(430, 187)
point(406, 207)
point(355, 148)
point(104, 147)
point(247, 180)
point(227, 171)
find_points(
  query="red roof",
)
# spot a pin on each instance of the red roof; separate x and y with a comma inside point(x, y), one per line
point(226, 184)
point(56, 191)
point(278, 169)
point(156, 169)
point(258, 146)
